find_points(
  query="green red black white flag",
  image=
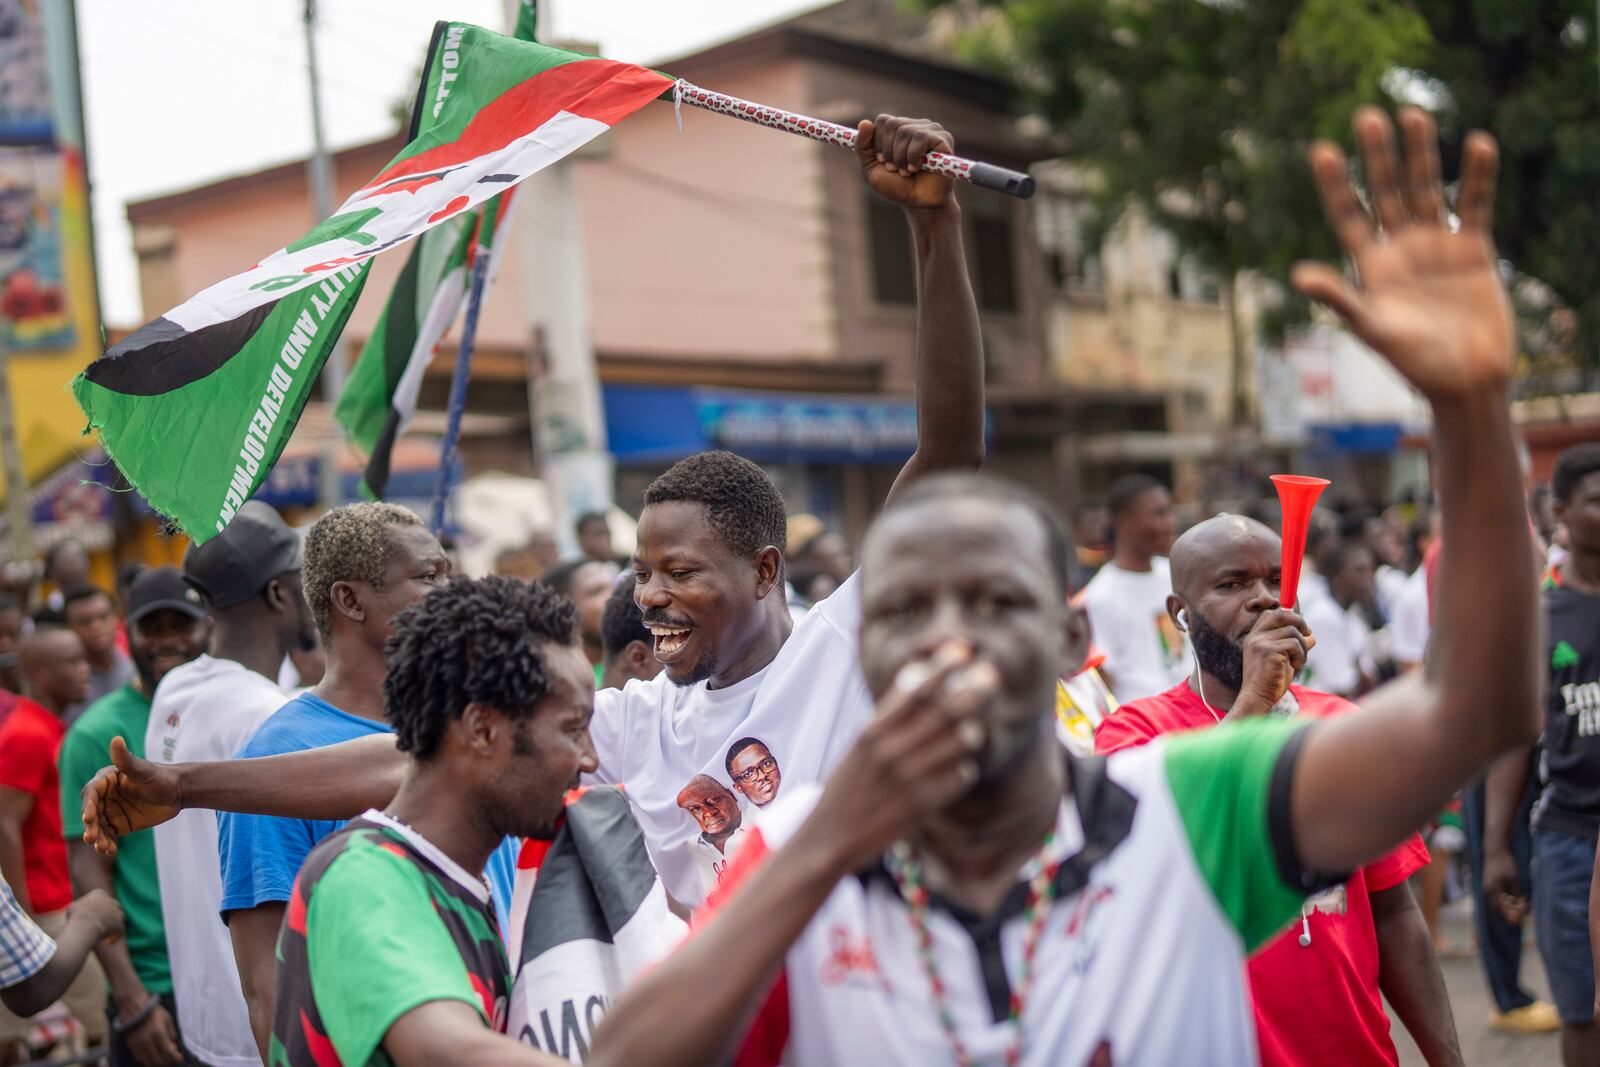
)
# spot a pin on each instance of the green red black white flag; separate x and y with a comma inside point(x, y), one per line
point(196, 406)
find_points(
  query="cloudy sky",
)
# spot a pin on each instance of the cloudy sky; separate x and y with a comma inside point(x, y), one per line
point(180, 92)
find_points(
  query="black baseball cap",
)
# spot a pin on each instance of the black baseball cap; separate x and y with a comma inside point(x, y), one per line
point(236, 564)
point(163, 588)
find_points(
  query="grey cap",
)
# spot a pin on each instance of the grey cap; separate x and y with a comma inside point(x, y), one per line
point(236, 564)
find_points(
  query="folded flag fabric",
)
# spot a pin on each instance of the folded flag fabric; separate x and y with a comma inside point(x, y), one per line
point(381, 395)
point(593, 915)
point(196, 406)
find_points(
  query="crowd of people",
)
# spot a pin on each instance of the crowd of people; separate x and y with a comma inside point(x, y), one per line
point(727, 801)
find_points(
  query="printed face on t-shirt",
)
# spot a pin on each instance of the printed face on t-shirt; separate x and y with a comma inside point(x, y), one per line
point(959, 569)
point(755, 773)
point(711, 806)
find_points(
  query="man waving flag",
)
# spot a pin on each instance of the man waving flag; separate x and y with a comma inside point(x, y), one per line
point(196, 406)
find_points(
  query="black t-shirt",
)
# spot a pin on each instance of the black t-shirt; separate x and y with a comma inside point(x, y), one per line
point(1569, 765)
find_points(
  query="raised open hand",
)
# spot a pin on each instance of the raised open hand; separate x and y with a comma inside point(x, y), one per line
point(131, 794)
point(1429, 299)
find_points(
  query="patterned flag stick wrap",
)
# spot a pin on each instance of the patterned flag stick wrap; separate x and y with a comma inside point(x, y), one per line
point(983, 175)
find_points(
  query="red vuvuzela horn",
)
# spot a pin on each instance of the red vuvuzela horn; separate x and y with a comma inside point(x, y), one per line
point(1298, 495)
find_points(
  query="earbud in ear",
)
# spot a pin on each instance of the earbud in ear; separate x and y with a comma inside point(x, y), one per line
point(1183, 620)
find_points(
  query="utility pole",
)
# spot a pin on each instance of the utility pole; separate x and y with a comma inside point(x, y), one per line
point(320, 172)
point(19, 506)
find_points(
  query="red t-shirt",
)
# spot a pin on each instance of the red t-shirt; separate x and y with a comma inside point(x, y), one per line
point(30, 738)
point(1317, 1004)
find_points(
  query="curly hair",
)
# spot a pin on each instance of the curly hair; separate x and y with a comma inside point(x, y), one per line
point(743, 505)
point(623, 622)
point(1573, 466)
point(471, 641)
point(348, 544)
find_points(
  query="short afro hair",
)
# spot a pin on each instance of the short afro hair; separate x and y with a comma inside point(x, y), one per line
point(743, 505)
point(79, 593)
point(564, 575)
point(1128, 489)
point(348, 544)
point(623, 622)
point(1572, 467)
point(988, 489)
point(738, 747)
point(591, 517)
point(471, 641)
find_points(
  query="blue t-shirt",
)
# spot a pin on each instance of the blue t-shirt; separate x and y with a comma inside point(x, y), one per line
point(262, 854)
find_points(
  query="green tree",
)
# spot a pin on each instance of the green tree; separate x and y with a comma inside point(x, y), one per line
point(1200, 111)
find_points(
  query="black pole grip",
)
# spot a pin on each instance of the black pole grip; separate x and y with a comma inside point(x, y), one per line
point(1001, 180)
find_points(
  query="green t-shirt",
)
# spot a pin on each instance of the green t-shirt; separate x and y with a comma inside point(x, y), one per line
point(85, 749)
point(379, 923)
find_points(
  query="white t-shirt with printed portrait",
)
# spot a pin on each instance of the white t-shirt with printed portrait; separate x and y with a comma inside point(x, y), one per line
point(806, 707)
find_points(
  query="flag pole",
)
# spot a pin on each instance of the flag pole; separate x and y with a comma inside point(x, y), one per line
point(983, 175)
point(458, 387)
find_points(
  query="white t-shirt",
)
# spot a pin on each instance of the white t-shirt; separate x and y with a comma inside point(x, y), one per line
point(805, 707)
point(1388, 586)
point(1334, 664)
point(1409, 628)
point(1145, 653)
point(204, 710)
point(1140, 961)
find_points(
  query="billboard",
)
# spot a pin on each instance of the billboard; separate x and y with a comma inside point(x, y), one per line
point(49, 306)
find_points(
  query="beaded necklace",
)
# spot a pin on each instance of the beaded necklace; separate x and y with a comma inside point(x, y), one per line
point(906, 868)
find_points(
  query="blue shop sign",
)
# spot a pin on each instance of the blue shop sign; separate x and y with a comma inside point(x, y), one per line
point(662, 423)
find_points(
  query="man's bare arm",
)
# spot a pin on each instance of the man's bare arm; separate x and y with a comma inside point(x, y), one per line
point(949, 359)
point(336, 782)
point(1430, 301)
point(254, 932)
point(1409, 975)
point(449, 1033)
point(14, 808)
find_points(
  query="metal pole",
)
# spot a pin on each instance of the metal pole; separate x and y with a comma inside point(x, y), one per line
point(18, 504)
point(320, 172)
point(458, 388)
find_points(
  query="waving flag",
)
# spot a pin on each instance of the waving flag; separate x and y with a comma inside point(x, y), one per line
point(196, 406)
point(595, 916)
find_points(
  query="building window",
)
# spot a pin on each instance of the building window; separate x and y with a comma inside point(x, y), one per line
point(894, 274)
point(992, 245)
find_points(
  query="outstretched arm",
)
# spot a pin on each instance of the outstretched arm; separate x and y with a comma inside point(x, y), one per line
point(337, 782)
point(949, 347)
point(1430, 301)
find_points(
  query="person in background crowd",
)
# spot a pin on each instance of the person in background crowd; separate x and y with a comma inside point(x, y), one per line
point(953, 792)
point(168, 626)
point(1341, 663)
point(11, 620)
point(1091, 532)
point(249, 575)
point(33, 852)
point(628, 645)
point(1411, 624)
point(1566, 817)
point(594, 537)
point(125, 576)
point(1083, 702)
point(1322, 536)
point(66, 565)
point(91, 615)
point(818, 561)
point(1541, 507)
point(530, 561)
point(1383, 539)
point(1127, 599)
point(588, 584)
point(1317, 989)
point(35, 970)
